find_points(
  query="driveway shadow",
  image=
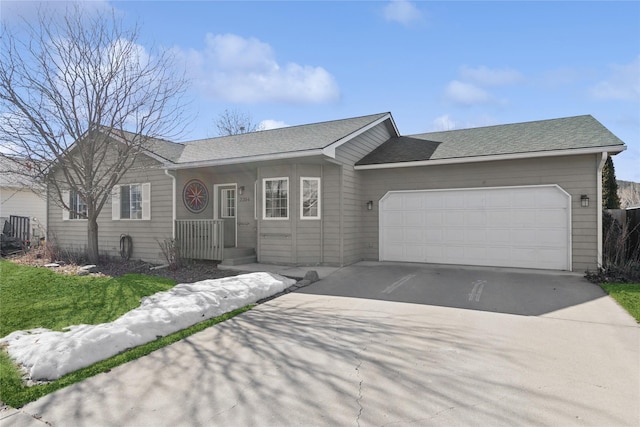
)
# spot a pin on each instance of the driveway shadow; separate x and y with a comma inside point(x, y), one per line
point(500, 290)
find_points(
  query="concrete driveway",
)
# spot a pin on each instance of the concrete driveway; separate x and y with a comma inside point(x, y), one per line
point(386, 344)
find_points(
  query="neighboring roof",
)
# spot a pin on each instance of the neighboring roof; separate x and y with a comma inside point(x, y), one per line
point(15, 173)
point(571, 133)
point(293, 139)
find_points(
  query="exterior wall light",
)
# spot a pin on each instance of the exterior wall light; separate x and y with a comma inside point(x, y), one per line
point(240, 190)
point(584, 201)
point(370, 205)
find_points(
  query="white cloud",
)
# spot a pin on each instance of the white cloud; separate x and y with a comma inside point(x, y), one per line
point(623, 84)
point(272, 124)
point(466, 93)
point(485, 76)
point(403, 12)
point(444, 122)
point(244, 70)
point(470, 88)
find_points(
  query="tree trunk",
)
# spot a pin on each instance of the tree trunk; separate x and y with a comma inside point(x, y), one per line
point(92, 240)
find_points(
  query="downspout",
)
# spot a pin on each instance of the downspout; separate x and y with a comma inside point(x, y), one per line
point(173, 202)
point(321, 215)
point(599, 205)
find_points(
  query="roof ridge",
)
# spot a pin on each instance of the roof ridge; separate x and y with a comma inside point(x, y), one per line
point(284, 127)
point(504, 124)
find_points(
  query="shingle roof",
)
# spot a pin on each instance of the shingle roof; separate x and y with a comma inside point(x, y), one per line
point(161, 147)
point(530, 137)
point(283, 140)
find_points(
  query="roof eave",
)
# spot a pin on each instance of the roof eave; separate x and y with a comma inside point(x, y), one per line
point(247, 159)
point(514, 156)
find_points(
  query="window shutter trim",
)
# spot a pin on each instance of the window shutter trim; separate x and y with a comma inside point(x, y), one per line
point(66, 198)
point(146, 201)
point(115, 202)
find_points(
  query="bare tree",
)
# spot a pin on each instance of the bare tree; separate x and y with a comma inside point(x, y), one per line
point(79, 100)
point(234, 122)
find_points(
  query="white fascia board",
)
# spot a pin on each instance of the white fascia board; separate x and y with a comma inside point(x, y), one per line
point(248, 159)
point(330, 150)
point(515, 156)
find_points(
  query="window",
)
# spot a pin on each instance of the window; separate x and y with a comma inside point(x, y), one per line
point(276, 198)
point(310, 198)
point(131, 201)
point(228, 197)
point(77, 206)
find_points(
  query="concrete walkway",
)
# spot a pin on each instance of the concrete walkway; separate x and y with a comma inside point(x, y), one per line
point(317, 359)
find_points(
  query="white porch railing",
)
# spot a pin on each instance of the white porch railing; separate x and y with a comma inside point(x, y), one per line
point(201, 238)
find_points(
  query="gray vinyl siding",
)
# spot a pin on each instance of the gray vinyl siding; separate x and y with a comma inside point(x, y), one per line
point(276, 237)
point(352, 205)
point(295, 240)
point(145, 234)
point(575, 174)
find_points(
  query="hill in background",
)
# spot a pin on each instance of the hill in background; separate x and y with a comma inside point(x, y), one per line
point(629, 193)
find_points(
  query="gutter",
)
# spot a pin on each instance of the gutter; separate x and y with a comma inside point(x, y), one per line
point(490, 158)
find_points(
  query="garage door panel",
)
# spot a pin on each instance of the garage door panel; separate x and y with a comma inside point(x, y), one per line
point(501, 236)
point(549, 217)
point(453, 201)
point(394, 235)
point(510, 226)
point(413, 201)
point(413, 237)
point(433, 235)
point(393, 218)
point(523, 218)
point(475, 218)
point(476, 236)
point(434, 218)
point(414, 219)
point(453, 218)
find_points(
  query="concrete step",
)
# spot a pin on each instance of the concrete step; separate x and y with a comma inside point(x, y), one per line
point(238, 252)
point(237, 256)
point(248, 259)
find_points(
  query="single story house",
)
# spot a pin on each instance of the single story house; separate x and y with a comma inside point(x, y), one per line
point(522, 195)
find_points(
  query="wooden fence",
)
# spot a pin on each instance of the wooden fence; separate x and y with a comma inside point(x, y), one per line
point(20, 227)
point(201, 238)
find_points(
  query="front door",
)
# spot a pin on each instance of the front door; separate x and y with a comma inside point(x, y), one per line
point(227, 211)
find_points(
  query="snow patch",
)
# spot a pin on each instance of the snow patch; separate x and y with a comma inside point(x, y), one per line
point(48, 355)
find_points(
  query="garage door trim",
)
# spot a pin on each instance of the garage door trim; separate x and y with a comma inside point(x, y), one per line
point(381, 253)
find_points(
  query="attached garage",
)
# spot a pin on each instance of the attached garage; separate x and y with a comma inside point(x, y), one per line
point(524, 226)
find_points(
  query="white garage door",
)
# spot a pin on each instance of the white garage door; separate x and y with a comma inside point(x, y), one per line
point(526, 227)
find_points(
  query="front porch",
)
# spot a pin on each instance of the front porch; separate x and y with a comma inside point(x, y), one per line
point(204, 239)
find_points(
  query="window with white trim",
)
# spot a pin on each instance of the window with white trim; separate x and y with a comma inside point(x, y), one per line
point(131, 201)
point(309, 198)
point(77, 206)
point(275, 198)
point(228, 208)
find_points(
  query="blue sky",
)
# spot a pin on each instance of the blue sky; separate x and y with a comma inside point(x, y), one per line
point(433, 65)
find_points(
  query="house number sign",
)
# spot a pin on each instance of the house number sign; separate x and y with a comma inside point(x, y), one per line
point(195, 196)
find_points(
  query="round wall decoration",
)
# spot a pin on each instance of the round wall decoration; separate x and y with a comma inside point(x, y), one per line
point(195, 196)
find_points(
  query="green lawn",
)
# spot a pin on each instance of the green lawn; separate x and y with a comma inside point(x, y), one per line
point(37, 297)
point(627, 295)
